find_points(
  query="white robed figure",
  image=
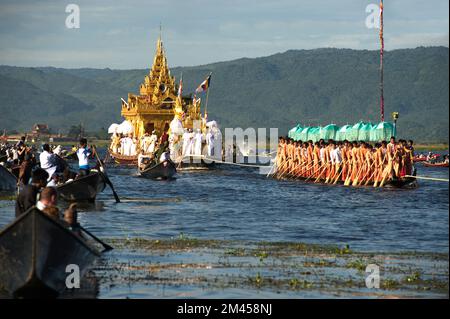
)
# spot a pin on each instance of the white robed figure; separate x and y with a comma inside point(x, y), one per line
point(210, 142)
point(126, 145)
point(134, 144)
point(198, 139)
point(152, 143)
point(185, 142)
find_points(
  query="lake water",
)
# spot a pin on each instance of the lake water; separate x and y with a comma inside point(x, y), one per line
point(233, 203)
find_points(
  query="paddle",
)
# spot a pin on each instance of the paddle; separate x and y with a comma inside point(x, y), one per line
point(107, 180)
point(105, 245)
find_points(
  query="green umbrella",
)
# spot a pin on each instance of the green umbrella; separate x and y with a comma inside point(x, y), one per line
point(353, 135)
point(383, 131)
point(341, 135)
point(329, 132)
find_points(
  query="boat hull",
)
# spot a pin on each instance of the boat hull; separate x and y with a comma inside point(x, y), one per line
point(407, 182)
point(124, 159)
point(193, 163)
point(159, 171)
point(435, 164)
point(83, 189)
point(8, 181)
point(35, 251)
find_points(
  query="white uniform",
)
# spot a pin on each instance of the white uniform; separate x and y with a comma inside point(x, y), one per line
point(198, 139)
point(210, 143)
point(152, 143)
point(48, 162)
point(133, 147)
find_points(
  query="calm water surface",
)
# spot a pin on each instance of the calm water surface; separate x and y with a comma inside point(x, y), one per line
point(233, 203)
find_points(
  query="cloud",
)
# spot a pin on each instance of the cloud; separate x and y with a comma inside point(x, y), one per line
point(121, 34)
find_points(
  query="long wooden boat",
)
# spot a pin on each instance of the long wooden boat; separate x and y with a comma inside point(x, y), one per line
point(404, 182)
point(8, 181)
point(428, 164)
point(82, 189)
point(34, 253)
point(123, 159)
point(160, 171)
point(418, 159)
point(195, 163)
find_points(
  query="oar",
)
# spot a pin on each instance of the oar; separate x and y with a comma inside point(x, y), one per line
point(282, 168)
point(105, 245)
point(107, 180)
point(366, 175)
point(315, 171)
point(323, 171)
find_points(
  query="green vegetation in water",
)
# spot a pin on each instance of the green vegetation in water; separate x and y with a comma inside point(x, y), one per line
point(213, 264)
point(7, 197)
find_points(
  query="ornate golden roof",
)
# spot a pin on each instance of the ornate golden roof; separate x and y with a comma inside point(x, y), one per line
point(157, 101)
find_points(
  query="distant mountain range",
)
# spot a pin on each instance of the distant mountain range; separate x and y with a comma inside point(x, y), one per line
point(310, 87)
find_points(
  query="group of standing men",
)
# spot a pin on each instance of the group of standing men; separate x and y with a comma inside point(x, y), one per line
point(353, 163)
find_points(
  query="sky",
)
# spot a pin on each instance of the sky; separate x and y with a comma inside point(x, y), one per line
point(122, 34)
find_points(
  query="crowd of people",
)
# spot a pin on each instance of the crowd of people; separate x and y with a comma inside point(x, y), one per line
point(26, 158)
point(151, 149)
point(353, 163)
point(39, 174)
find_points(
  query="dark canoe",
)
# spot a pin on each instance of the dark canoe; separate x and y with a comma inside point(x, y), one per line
point(34, 253)
point(428, 164)
point(159, 171)
point(123, 159)
point(194, 163)
point(8, 181)
point(82, 189)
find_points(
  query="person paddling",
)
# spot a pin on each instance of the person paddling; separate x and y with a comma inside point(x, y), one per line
point(28, 195)
point(84, 153)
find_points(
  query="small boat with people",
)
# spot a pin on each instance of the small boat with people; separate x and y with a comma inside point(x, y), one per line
point(430, 164)
point(36, 252)
point(164, 170)
point(84, 188)
point(8, 181)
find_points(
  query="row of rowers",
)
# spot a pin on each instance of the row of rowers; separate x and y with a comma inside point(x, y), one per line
point(350, 162)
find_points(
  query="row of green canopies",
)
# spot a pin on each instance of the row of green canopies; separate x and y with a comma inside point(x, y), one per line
point(361, 131)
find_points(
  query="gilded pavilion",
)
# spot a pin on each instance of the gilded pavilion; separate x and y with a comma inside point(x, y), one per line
point(157, 103)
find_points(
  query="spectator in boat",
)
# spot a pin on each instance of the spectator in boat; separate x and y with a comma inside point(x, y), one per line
point(144, 159)
point(48, 201)
point(446, 160)
point(21, 149)
point(28, 195)
point(25, 170)
point(84, 154)
point(48, 160)
point(164, 158)
point(71, 220)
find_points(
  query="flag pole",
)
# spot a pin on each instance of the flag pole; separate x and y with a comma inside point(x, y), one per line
point(381, 62)
point(206, 104)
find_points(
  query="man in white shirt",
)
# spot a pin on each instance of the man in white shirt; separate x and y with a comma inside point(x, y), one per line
point(48, 160)
point(84, 154)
